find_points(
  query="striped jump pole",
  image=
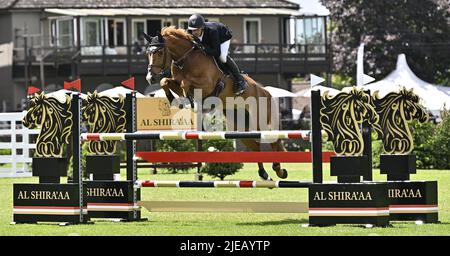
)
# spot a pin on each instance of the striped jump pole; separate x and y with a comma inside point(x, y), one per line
point(221, 184)
point(196, 135)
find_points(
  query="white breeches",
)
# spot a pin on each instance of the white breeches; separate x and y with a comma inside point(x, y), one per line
point(224, 51)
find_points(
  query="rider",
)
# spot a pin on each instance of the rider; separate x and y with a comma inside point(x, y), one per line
point(215, 38)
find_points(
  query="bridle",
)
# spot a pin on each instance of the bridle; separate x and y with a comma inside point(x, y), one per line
point(162, 66)
point(179, 64)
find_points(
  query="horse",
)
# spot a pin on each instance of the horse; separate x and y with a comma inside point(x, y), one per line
point(395, 111)
point(341, 117)
point(54, 118)
point(174, 52)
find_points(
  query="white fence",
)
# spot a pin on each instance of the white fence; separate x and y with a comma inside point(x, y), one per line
point(16, 137)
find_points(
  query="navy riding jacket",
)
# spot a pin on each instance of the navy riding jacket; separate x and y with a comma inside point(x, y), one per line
point(214, 34)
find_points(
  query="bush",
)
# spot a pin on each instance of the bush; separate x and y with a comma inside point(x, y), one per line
point(377, 150)
point(440, 148)
point(175, 146)
point(220, 170)
point(84, 153)
point(423, 134)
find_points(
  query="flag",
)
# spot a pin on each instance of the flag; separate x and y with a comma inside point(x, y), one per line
point(315, 80)
point(73, 85)
point(360, 66)
point(33, 90)
point(129, 83)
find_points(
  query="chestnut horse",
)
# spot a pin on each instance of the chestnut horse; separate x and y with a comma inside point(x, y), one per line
point(175, 52)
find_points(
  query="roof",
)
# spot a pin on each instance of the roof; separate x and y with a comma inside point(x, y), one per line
point(41, 4)
point(4, 4)
point(171, 11)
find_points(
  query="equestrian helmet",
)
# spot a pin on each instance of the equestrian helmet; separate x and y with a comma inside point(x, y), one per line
point(196, 21)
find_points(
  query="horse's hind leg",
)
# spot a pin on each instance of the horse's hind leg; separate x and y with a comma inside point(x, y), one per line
point(281, 173)
point(254, 146)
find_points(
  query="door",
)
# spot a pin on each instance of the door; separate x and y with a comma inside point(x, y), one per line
point(153, 27)
point(252, 33)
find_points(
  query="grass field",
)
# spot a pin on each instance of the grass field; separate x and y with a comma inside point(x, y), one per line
point(227, 224)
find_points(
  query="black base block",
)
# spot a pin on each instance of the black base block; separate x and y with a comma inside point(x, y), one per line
point(397, 167)
point(49, 169)
point(349, 169)
point(413, 200)
point(47, 203)
point(358, 203)
point(103, 167)
point(111, 199)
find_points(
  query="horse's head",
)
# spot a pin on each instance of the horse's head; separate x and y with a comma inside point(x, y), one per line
point(159, 58)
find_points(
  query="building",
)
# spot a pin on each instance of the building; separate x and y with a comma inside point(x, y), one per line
point(44, 43)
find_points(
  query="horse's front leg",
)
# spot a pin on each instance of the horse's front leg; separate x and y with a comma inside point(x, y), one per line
point(168, 84)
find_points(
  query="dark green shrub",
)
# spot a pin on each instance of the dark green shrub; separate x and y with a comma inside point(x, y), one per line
point(423, 134)
point(175, 146)
point(220, 170)
point(440, 145)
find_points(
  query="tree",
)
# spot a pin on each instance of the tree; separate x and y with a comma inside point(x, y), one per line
point(418, 28)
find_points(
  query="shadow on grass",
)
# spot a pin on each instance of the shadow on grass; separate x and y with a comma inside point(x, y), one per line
point(279, 222)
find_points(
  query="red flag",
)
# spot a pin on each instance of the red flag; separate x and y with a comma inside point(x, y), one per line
point(129, 83)
point(33, 90)
point(74, 84)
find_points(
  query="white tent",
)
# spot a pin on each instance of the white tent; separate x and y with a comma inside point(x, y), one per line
point(119, 90)
point(433, 98)
point(279, 93)
point(61, 94)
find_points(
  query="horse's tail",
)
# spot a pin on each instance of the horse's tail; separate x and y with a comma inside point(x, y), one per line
point(263, 93)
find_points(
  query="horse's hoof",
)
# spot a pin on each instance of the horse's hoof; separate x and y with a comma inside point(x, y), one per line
point(263, 174)
point(282, 173)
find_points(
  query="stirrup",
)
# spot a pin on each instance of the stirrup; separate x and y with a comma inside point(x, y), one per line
point(241, 89)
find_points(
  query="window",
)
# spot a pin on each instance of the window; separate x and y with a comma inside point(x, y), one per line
point(183, 23)
point(154, 26)
point(116, 32)
point(252, 30)
point(212, 19)
point(139, 26)
point(311, 31)
point(252, 34)
point(91, 32)
point(61, 30)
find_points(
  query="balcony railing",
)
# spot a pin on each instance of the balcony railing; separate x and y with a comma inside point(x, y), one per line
point(252, 58)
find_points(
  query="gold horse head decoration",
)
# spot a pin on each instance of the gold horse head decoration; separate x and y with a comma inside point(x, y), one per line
point(54, 118)
point(396, 109)
point(104, 115)
point(341, 117)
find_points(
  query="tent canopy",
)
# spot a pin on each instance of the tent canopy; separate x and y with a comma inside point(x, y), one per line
point(279, 93)
point(433, 98)
point(119, 91)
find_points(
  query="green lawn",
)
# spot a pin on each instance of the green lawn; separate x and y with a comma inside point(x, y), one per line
point(228, 224)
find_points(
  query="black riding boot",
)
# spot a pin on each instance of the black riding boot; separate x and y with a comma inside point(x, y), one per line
point(239, 84)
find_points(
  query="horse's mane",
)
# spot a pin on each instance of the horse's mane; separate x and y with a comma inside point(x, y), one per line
point(180, 33)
